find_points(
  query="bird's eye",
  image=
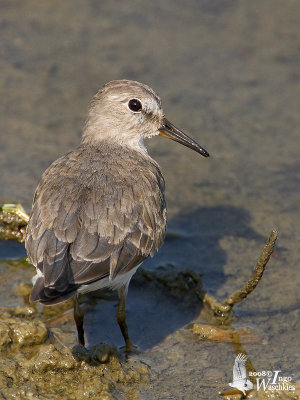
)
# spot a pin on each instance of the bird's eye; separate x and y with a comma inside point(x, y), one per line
point(135, 105)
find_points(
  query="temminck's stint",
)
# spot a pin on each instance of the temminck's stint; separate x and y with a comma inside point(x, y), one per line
point(99, 211)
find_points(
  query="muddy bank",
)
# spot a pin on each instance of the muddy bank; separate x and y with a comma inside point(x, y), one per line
point(39, 358)
point(36, 361)
point(33, 368)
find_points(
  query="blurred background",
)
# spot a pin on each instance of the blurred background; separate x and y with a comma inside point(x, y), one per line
point(228, 75)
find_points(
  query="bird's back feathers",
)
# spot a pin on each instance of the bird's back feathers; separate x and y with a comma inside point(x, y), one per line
point(97, 212)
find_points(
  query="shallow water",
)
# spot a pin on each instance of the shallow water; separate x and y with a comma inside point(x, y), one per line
point(228, 74)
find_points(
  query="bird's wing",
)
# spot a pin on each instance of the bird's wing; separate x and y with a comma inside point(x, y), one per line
point(79, 232)
point(239, 368)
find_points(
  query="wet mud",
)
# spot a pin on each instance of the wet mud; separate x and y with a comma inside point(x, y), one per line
point(40, 361)
point(33, 368)
point(37, 361)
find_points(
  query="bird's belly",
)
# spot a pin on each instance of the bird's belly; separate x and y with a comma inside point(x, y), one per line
point(119, 281)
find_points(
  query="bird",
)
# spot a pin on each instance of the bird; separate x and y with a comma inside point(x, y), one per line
point(240, 380)
point(99, 210)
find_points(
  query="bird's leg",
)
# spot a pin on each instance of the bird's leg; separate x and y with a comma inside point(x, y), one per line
point(121, 318)
point(78, 317)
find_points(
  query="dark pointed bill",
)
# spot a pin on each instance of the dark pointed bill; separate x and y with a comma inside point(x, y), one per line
point(170, 131)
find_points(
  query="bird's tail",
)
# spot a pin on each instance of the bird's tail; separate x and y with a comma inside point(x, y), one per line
point(49, 295)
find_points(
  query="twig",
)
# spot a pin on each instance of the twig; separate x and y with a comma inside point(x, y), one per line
point(259, 269)
point(250, 285)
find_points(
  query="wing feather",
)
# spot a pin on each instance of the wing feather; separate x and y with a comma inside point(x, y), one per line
point(81, 230)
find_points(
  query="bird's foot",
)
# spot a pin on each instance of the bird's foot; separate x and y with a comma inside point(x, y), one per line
point(130, 348)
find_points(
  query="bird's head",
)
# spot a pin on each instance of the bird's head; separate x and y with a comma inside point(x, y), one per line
point(127, 112)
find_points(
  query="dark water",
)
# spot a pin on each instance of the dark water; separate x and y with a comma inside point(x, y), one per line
point(228, 74)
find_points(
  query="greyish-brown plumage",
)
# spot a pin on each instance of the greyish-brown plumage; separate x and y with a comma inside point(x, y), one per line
point(100, 210)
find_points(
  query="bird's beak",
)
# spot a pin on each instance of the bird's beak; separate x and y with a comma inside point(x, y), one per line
point(171, 132)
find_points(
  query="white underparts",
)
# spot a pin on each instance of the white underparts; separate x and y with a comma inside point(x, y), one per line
point(119, 281)
point(39, 274)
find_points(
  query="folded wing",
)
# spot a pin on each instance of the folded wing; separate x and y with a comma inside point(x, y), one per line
point(82, 231)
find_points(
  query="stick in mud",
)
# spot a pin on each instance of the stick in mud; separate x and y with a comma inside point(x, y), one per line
point(236, 297)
